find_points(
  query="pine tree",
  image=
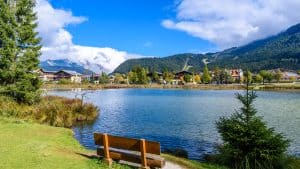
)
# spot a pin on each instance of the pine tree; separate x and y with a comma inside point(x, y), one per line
point(206, 78)
point(7, 47)
point(28, 52)
point(20, 50)
point(248, 143)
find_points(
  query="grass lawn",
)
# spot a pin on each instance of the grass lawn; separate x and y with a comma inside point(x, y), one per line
point(27, 145)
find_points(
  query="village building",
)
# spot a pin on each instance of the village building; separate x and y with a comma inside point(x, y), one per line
point(179, 77)
point(236, 74)
point(160, 76)
point(45, 75)
point(73, 76)
point(290, 75)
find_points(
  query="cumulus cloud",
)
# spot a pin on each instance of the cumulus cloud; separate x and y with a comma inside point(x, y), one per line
point(230, 23)
point(57, 41)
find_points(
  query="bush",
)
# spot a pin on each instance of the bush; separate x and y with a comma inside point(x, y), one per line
point(51, 110)
point(64, 81)
point(248, 143)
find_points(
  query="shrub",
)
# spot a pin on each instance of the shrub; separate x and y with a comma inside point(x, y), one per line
point(51, 110)
point(64, 81)
point(248, 143)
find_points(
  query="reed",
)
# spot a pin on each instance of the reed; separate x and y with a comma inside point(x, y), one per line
point(51, 110)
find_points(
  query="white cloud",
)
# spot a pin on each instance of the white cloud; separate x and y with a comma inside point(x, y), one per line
point(234, 22)
point(57, 41)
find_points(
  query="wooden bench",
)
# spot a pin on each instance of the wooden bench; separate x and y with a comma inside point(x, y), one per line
point(146, 153)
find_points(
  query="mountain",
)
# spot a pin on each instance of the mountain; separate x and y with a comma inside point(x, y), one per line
point(63, 64)
point(279, 51)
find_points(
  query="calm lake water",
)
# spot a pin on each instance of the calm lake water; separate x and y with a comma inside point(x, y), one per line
point(182, 118)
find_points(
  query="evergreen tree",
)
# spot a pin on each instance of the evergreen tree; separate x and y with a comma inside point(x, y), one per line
point(248, 143)
point(20, 50)
point(206, 78)
point(29, 47)
point(217, 75)
point(7, 47)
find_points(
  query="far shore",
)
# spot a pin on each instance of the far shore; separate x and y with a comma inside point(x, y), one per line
point(268, 86)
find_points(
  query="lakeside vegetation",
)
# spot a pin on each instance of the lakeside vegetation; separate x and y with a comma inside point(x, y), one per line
point(51, 110)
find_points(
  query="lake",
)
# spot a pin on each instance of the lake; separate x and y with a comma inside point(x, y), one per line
point(182, 118)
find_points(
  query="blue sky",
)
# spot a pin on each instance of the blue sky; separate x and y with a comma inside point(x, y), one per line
point(133, 26)
point(101, 34)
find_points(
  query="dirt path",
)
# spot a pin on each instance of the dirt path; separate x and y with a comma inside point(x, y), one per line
point(170, 165)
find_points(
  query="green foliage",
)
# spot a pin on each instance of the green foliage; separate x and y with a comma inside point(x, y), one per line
point(51, 110)
point(168, 76)
point(19, 52)
point(248, 75)
point(85, 81)
point(104, 78)
point(206, 78)
point(138, 75)
point(64, 81)
point(188, 78)
point(173, 63)
point(197, 78)
point(266, 76)
point(119, 78)
point(248, 143)
point(217, 75)
point(155, 77)
point(278, 75)
point(258, 78)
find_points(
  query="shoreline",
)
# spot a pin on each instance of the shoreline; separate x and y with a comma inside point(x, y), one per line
point(258, 87)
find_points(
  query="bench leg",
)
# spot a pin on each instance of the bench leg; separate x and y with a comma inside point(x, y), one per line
point(108, 161)
point(143, 154)
point(107, 158)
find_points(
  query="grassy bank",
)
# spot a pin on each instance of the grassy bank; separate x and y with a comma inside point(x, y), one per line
point(29, 146)
point(51, 110)
point(273, 86)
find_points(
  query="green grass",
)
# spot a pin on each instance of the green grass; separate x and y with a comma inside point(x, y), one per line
point(26, 145)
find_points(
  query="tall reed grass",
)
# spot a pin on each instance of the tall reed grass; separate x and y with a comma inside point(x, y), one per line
point(51, 110)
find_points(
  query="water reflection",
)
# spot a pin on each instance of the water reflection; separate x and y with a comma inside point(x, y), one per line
point(182, 118)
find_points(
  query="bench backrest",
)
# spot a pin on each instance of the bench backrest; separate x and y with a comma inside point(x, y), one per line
point(127, 143)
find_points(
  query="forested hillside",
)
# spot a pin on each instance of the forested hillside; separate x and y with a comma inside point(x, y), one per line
point(279, 51)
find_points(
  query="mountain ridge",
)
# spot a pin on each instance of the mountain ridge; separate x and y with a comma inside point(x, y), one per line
point(63, 64)
point(277, 51)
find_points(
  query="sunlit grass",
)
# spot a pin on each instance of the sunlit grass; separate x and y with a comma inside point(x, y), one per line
point(27, 145)
point(51, 110)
